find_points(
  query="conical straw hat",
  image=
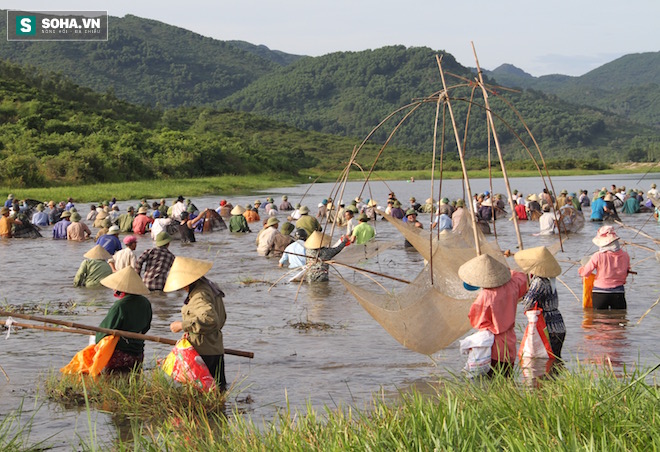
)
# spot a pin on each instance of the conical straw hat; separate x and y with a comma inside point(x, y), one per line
point(126, 280)
point(484, 271)
point(317, 240)
point(538, 261)
point(238, 210)
point(98, 252)
point(184, 272)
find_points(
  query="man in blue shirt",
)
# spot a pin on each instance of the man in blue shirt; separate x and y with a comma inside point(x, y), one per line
point(597, 207)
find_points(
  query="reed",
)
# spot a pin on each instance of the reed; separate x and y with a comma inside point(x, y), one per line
point(149, 396)
point(584, 409)
point(573, 411)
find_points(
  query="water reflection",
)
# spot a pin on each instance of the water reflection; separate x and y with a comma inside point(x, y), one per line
point(606, 336)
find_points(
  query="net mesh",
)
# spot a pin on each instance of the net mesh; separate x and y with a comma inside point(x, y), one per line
point(430, 313)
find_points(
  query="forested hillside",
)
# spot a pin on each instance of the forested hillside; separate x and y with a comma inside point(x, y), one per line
point(148, 62)
point(628, 86)
point(349, 93)
point(52, 132)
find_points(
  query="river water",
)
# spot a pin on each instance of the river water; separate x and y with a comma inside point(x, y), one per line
point(344, 364)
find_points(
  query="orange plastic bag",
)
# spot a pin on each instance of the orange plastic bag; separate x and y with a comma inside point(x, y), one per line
point(536, 341)
point(587, 287)
point(93, 358)
point(185, 365)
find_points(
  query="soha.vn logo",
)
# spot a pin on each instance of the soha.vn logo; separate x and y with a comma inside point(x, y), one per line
point(26, 25)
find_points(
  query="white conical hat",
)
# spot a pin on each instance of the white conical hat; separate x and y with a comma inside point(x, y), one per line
point(126, 280)
point(484, 271)
point(538, 261)
point(185, 271)
point(98, 252)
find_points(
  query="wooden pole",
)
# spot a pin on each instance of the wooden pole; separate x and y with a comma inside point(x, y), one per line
point(499, 150)
point(47, 328)
point(127, 334)
point(477, 245)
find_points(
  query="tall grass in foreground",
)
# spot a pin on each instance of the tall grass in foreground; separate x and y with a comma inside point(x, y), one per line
point(574, 411)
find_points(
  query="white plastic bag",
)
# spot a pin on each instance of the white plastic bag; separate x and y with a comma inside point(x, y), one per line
point(478, 348)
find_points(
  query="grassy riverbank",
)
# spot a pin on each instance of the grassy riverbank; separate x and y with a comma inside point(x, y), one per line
point(226, 186)
point(585, 409)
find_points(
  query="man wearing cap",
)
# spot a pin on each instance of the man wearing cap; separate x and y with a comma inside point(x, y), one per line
point(59, 230)
point(6, 223)
point(40, 218)
point(238, 222)
point(363, 232)
point(445, 207)
point(584, 199)
point(598, 207)
point(91, 215)
point(187, 226)
point(224, 209)
point(350, 222)
point(318, 253)
point(307, 222)
point(411, 219)
point(415, 205)
point(547, 221)
point(653, 192)
point(561, 199)
point(251, 215)
point(370, 210)
point(110, 241)
point(9, 201)
point(141, 222)
point(267, 235)
point(495, 307)
point(612, 265)
point(94, 268)
point(156, 262)
point(294, 254)
point(397, 212)
point(285, 205)
point(54, 212)
point(459, 211)
point(177, 208)
point(125, 257)
point(631, 205)
point(125, 220)
point(281, 240)
point(131, 312)
point(77, 230)
point(203, 313)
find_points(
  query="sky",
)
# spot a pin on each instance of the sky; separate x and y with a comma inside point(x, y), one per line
point(545, 37)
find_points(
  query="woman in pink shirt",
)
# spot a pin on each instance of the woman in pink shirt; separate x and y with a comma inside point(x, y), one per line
point(495, 307)
point(612, 266)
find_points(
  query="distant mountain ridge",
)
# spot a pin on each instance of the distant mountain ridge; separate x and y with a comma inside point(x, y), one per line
point(628, 86)
point(349, 93)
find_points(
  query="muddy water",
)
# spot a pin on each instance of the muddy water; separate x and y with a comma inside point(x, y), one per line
point(343, 364)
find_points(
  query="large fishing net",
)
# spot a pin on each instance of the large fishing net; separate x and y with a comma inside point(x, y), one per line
point(429, 313)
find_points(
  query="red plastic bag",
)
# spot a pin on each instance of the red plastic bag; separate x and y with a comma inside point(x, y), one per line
point(535, 342)
point(185, 365)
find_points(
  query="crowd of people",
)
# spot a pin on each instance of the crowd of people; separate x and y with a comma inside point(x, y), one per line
point(295, 236)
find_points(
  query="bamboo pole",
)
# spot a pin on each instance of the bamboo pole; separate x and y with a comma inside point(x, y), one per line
point(496, 139)
point(477, 245)
point(47, 328)
point(127, 334)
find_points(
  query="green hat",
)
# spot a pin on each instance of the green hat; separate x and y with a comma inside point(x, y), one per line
point(287, 228)
point(460, 203)
point(363, 217)
point(411, 212)
point(602, 193)
point(40, 207)
point(272, 221)
point(75, 217)
point(284, 197)
point(163, 238)
point(65, 214)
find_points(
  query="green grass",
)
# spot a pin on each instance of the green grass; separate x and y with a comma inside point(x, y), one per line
point(225, 186)
point(584, 409)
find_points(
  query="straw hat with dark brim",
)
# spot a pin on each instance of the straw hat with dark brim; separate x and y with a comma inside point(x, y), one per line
point(317, 240)
point(484, 271)
point(538, 261)
point(126, 280)
point(98, 252)
point(238, 210)
point(487, 203)
point(533, 197)
point(184, 272)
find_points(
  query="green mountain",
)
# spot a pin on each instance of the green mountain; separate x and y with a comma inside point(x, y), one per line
point(628, 86)
point(55, 132)
point(349, 93)
point(148, 62)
